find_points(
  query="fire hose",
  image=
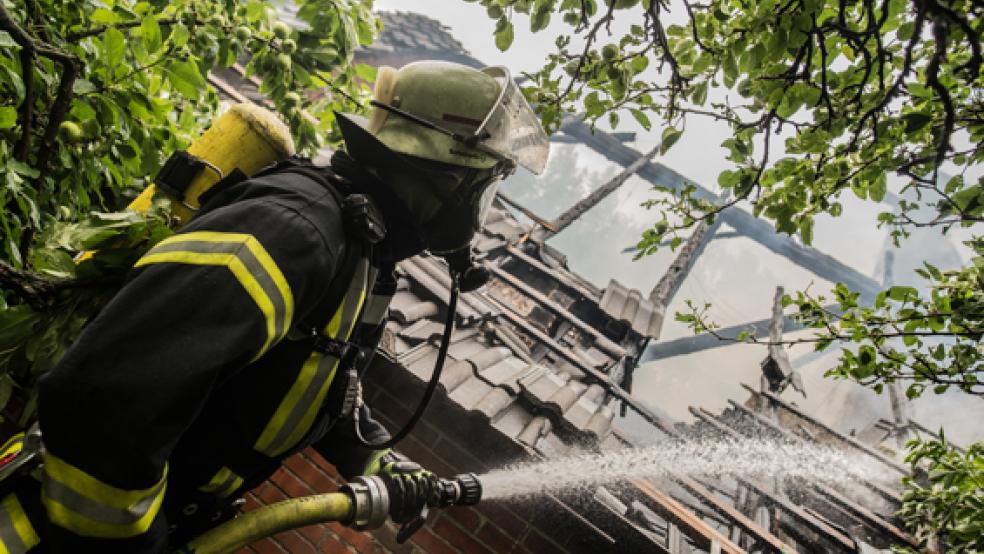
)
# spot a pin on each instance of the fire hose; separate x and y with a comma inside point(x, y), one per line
point(364, 504)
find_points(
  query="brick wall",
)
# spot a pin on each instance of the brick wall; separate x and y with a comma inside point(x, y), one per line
point(444, 442)
point(480, 529)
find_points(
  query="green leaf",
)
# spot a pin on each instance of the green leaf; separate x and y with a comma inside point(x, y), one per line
point(14, 81)
point(150, 30)
point(915, 121)
point(699, 95)
point(539, 20)
point(185, 77)
point(669, 138)
point(877, 189)
point(504, 37)
point(730, 66)
point(22, 168)
point(102, 16)
point(114, 44)
point(7, 41)
point(8, 117)
point(806, 230)
point(179, 35)
point(642, 118)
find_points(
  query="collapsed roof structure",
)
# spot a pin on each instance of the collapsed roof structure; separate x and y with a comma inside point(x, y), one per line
point(540, 366)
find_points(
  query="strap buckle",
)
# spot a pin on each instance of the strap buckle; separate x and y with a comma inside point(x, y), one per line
point(347, 353)
point(180, 169)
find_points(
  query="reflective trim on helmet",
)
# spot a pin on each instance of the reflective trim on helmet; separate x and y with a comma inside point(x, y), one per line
point(17, 535)
point(89, 507)
point(247, 260)
point(297, 410)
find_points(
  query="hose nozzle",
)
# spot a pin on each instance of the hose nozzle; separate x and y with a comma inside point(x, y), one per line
point(461, 490)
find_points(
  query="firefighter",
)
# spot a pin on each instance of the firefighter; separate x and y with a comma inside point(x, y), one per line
point(227, 348)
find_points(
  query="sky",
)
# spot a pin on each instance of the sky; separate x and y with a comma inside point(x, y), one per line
point(737, 276)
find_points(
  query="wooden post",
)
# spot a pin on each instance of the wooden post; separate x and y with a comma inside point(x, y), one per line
point(896, 394)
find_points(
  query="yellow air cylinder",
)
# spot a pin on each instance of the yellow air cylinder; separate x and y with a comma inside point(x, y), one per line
point(246, 136)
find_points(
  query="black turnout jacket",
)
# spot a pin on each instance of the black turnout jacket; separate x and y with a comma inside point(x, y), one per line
point(199, 377)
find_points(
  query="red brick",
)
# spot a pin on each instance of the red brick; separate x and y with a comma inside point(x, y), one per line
point(308, 472)
point(496, 539)
point(268, 493)
point(321, 462)
point(536, 542)
point(314, 533)
point(456, 456)
point(465, 516)
point(458, 537)
point(426, 457)
point(431, 543)
point(290, 484)
point(267, 546)
point(294, 543)
point(386, 535)
point(501, 517)
point(335, 546)
point(359, 540)
point(251, 503)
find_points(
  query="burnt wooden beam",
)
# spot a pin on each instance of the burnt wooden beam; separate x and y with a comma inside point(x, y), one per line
point(600, 339)
point(690, 524)
point(760, 231)
point(831, 433)
point(567, 139)
point(668, 285)
point(542, 221)
point(598, 376)
point(572, 214)
point(757, 532)
point(833, 535)
point(784, 433)
point(707, 341)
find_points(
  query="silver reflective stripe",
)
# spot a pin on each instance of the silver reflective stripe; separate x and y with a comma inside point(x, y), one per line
point(9, 536)
point(376, 308)
point(297, 410)
point(97, 511)
point(323, 373)
point(224, 483)
point(255, 268)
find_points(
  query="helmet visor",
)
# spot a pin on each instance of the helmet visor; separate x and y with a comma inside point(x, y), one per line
point(484, 204)
point(511, 129)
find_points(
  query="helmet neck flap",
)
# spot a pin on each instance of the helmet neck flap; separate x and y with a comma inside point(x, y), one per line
point(443, 200)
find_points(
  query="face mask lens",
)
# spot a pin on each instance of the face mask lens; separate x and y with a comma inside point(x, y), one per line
point(484, 204)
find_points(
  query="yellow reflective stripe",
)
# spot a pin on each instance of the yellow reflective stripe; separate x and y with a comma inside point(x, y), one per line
point(224, 483)
point(17, 535)
point(297, 410)
point(233, 264)
point(336, 320)
point(258, 252)
point(310, 408)
point(86, 506)
point(13, 445)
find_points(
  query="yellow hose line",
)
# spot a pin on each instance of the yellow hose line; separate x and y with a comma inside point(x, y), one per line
point(270, 520)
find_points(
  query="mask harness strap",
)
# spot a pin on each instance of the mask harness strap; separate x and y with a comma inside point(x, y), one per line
point(442, 355)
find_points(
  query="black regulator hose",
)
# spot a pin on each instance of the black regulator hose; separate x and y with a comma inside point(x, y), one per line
point(442, 354)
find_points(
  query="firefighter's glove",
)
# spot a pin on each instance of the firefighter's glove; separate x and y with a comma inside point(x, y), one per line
point(410, 494)
point(391, 463)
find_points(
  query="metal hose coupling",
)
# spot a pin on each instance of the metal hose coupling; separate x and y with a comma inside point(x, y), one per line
point(370, 502)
